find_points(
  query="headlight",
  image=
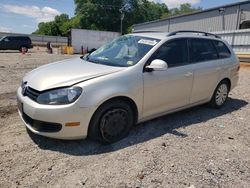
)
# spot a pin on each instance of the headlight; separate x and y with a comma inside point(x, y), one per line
point(60, 96)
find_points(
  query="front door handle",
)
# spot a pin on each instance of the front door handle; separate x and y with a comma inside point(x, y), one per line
point(188, 74)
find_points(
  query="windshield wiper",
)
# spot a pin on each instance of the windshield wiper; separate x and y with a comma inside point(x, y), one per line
point(86, 57)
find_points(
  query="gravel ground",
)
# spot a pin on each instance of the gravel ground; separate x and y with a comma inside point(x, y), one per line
point(198, 147)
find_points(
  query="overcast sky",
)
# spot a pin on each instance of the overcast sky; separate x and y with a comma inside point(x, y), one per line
point(23, 16)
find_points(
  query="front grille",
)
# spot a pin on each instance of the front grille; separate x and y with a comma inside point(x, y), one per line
point(31, 93)
point(42, 126)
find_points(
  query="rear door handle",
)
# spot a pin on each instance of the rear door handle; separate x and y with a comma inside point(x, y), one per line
point(188, 74)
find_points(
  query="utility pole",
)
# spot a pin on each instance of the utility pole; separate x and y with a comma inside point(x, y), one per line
point(123, 9)
point(122, 18)
point(222, 12)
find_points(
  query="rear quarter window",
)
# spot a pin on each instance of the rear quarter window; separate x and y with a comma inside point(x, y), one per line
point(202, 50)
point(222, 49)
point(27, 39)
point(23, 39)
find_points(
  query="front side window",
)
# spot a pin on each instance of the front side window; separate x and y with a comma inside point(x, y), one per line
point(222, 49)
point(124, 51)
point(7, 39)
point(174, 53)
point(202, 50)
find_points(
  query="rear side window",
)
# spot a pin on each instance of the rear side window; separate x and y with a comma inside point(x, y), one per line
point(202, 50)
point(222, 49)
point(22, 39)
point(15, 39)
point(175, 53)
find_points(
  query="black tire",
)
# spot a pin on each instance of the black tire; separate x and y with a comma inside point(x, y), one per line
point(25, 49)
point(215, 102)
point(111, 122)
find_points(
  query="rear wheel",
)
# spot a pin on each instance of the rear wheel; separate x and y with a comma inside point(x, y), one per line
point(23, 49)
point(111, 122)
point(220, 94)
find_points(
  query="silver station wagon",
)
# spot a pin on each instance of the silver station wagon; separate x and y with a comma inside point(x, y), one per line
point(132, 79)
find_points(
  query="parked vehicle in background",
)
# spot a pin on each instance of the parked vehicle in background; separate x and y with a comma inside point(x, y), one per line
point(21, 43)
point(132, 79)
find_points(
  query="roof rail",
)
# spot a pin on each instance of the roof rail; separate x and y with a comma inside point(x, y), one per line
point(190, 31)
point(147, 32)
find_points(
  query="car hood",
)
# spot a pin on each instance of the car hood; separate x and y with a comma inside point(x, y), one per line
point(66, 73)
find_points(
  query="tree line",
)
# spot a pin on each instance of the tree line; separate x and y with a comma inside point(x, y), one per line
point(106, 15)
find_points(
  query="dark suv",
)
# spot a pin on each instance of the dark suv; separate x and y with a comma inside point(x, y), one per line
point(15, 43)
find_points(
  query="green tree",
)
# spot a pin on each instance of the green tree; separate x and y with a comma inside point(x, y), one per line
point(106, 15)
point(59, 27)
point(64, 27)
point(60, 19)
point(63, 24)
point(99, 15)
point(48, 28)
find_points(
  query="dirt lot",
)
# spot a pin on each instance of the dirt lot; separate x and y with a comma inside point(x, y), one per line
point(199, 147)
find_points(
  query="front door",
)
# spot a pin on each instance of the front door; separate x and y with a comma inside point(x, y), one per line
point(5, 44)
point(170, 89)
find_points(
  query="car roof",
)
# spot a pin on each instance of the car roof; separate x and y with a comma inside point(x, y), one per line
point(156, 35)
point(16, 36)
point(177, 34)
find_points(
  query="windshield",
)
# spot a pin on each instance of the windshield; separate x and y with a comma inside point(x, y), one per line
point(124, 51)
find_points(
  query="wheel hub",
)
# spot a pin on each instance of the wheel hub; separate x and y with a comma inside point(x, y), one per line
point(113, 123)
point(221, 94)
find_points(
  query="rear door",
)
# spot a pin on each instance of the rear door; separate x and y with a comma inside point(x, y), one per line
point(169, 89)
point(207, 68)
point(17, 43)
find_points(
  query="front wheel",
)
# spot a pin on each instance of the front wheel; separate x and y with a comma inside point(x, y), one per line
point(220, 95)
point(111, 122)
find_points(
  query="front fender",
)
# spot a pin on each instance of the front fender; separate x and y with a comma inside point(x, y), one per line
point(120, 84)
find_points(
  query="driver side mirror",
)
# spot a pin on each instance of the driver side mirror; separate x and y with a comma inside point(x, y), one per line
point(156, 65)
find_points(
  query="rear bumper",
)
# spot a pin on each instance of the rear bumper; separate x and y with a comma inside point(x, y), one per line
point(49, 121)
point(234, 81)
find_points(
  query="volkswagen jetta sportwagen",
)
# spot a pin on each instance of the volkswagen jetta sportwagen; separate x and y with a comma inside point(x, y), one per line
point(132, 79)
